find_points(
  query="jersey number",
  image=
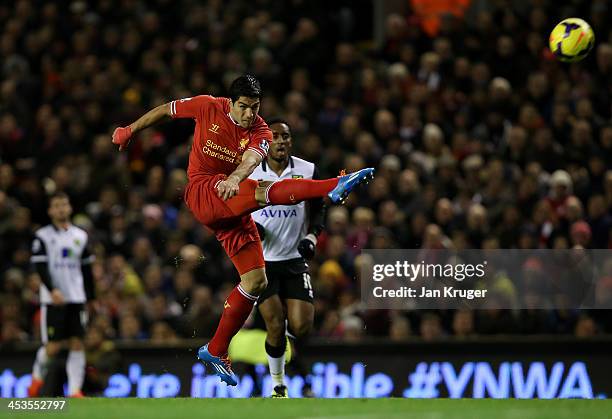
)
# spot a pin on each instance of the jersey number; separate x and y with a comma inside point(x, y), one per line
point(307, 284)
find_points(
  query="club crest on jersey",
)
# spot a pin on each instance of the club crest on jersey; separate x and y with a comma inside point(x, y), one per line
point(214, 128)
point(243, 143)
point(264, 145)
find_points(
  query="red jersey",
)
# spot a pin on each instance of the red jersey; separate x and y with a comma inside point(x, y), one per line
point(218, 141)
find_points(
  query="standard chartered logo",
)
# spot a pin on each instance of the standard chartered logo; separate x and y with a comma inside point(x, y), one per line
point(213, 149)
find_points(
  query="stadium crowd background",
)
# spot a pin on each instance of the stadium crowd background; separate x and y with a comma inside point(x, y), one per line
point(480, 137)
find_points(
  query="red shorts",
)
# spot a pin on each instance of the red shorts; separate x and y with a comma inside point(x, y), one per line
point(237, 234)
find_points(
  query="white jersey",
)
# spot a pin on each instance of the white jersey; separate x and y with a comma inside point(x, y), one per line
point(64, 251)
point(285, 225)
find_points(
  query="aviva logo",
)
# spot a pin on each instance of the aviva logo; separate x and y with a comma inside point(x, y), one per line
point(66, 252)
point(278, 213)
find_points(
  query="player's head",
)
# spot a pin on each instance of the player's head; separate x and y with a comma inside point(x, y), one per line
point(59, 209)
point(282, 143)
point(245, 94)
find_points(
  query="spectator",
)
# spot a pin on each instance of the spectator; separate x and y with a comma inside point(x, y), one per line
point(431, 327)
point(479, 139)
point(103, 360)
point(399, 329)
point(585, 327)
point(202, 315)
point(463, 323)
point(163, 334)
point(130, 328)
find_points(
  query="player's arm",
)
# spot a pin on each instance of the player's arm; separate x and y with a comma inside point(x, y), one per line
point(122, 135)
point(40, 261)
point(317, 210)
point(189, 107)
point(155, 115)
point(229, 187)
point(308, 245)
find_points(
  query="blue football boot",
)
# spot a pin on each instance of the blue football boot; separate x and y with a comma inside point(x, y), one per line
point(221, 365)
point(348, 182)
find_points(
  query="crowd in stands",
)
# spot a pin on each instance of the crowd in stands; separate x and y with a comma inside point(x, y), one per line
point(480, 137)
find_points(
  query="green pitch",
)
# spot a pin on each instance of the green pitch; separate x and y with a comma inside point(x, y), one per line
point(323, 408)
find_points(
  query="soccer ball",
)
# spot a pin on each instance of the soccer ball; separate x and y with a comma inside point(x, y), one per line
point(571, 40)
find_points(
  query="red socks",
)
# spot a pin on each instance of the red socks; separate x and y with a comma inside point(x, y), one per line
point(283, 192)
point(292, 191)
point(236, 310)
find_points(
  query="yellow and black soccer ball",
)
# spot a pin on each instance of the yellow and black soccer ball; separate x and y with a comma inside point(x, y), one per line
point(571, 40)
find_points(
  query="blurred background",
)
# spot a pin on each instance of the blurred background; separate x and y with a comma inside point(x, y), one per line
point(481, 139)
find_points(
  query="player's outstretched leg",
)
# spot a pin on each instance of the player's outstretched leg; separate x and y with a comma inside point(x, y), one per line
point(252, 197)
point(293, 191)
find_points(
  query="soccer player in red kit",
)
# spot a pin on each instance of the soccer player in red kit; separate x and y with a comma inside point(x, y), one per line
point(230, 140)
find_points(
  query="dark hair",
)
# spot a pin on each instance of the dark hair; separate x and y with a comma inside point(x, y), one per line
point(247, 86)
point(277, 120)
point(58, 195)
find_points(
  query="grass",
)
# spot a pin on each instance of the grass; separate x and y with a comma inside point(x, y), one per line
point(323, 408)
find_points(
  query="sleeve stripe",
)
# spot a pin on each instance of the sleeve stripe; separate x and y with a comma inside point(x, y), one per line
point(173, 108)
point(258, 151)
point(38, 258)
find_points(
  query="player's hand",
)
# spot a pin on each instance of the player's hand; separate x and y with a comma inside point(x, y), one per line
point(307, 246)
point(228, 188)
point(121, 137)
point(57, 297)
